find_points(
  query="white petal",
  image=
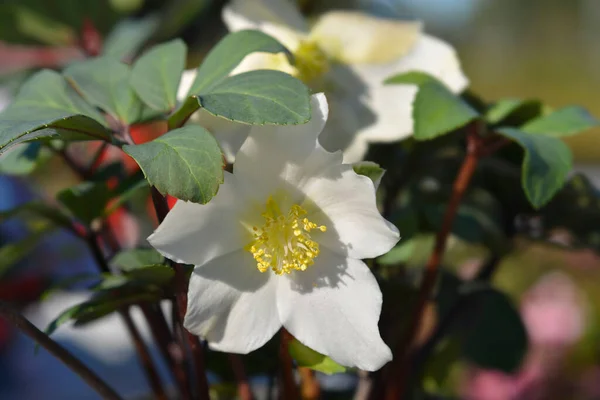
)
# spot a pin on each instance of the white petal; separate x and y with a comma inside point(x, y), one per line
point(354, 37)
point(333, 307)
point(195, 233)
point(231, 304)
point(186, 83)
point(344, 202)
point(275, 156)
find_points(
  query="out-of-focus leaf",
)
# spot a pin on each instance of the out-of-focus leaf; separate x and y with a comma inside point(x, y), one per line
point(496, 337)
point(185, 163)
point(436, 110)
point(399, 254)
point(546, 164)
point(129, 260)
point(513, 112)
point(13, 252)
point(228, 53)
point(369, 169)
point(86, 201)
point(307, 357)
point(129, 35)
point(23, 159)
point(564, 122)
point(47, 107)
point(104, 82)
point(38, 209)
point(156, 74)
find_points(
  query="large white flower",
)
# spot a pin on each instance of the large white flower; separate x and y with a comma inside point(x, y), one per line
point(347, 55)
point(281, 245)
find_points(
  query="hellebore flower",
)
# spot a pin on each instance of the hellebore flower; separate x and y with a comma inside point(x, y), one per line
point(347, 55)
point(280, 245)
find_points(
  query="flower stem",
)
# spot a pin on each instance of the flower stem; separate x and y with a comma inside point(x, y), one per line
point(244, 390)
point(58, 351)
point(162, 208)
point(310, 388)
point(396, 375)
point(288, 389)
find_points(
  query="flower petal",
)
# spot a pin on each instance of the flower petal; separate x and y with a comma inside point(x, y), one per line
point(195, 233)
point(333, 307)
point(357, 38)
point(231, 304)
point(274, 155)
point(345, 203)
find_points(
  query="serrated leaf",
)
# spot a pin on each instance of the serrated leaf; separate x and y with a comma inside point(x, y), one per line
point(23, 159)
point(156, 74)
point(369, 169)
point(104, 82)
point(546, 163)
point(513, 112)
point(46, 106)
point(437, 111)
point(86, 201)
point(564, 122)
point(129, 35)
point(228, 53)
point(255, 97)
point(185, 163)
point(129, 260)
point(307, 357)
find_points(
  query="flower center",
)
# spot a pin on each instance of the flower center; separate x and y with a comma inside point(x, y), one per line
point(284, 243)
point(311, 62)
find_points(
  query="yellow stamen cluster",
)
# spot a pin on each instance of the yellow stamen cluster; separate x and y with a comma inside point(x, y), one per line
point(284, 244)
point(311, 62)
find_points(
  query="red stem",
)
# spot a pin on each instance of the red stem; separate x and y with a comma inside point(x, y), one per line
point(244, 390)
point(288, 391)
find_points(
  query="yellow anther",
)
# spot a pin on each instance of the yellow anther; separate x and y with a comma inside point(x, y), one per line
point(284, 244)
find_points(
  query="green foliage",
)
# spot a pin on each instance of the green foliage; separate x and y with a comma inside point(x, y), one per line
point(128, 36)
point(513, 112)
point(104, 82)
point(185, 163)
point(228, 53)
point(156, 74)
point(436, 110)
point(369, 169)
point(13, 252)
point(307, 357)
point(546, 164)
point(256, 97)
point(86, 201)
point(23, 159)
point(564, 122)
point(47, 107)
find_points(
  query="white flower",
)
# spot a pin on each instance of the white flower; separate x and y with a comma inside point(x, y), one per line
point(281, 245)
point(347, 55)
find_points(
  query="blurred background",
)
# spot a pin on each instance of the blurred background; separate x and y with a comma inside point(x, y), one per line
point(545, 49)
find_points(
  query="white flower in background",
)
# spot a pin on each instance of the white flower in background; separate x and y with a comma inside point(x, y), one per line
point(281, 245)
point(347, 55)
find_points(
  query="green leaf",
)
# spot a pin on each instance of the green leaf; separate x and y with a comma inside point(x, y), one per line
point(564, 122)
point(410, 78)
point(369, 169)
point(104, 82)
point(46, 106)
point(546, 163)
point(129, 35)
point(255, 97)
point(185, 163)
point(307, 357)
point(156, 74)
point(437, 111)
point(129, 260)
point(23, 159)
point(229, 52)
point(513, 112)
point(37, 209)
point(496, 338)
point(86, 201)
point(13, 252)
point(400, 254)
